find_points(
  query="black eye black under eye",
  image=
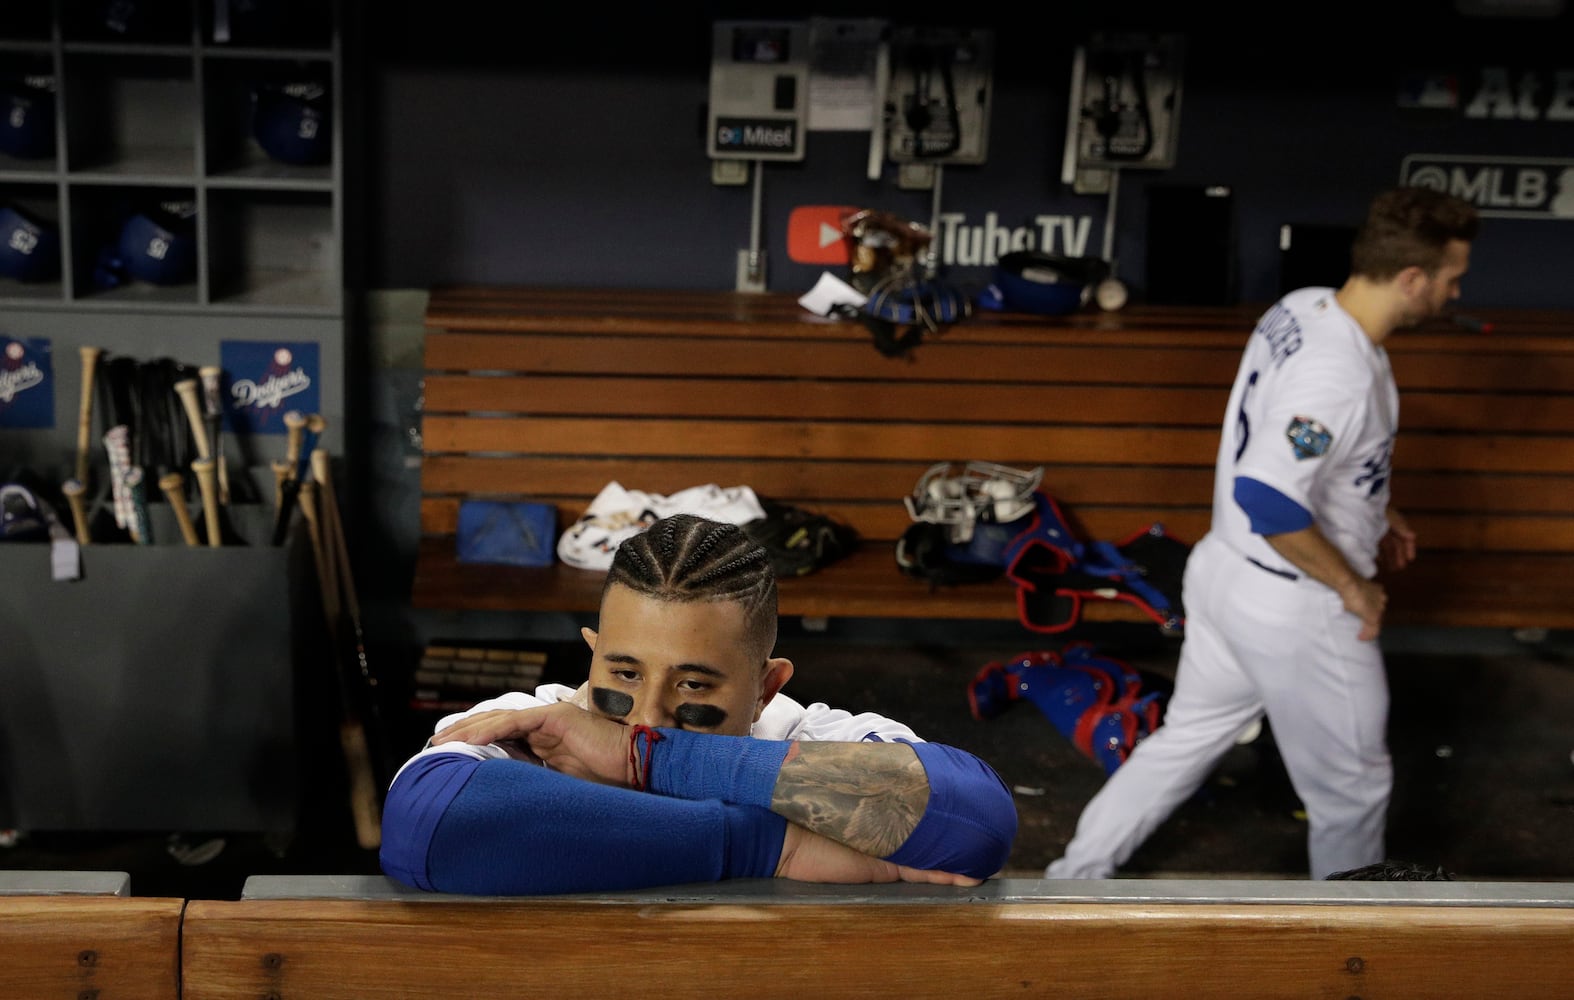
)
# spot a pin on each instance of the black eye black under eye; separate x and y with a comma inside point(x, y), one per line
point(699, 716)
point(614, 703)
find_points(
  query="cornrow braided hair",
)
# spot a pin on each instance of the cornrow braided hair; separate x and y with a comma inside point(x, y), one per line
point(689, 558)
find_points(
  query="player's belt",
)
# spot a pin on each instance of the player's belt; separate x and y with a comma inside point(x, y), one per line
point(1276, 572)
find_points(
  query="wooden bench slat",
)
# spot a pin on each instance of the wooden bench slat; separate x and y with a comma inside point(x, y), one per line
point(1440, 531)
point(1483, 590)
point(1504, 371)
point(1014, 445)
point(333, 949)
point(1442, 589)
point(926, 443)
point(786, 479)
point(1523, 412)
point(76, 946)
point(886, 522)
point(1071, 485)
point(820, 400)
point(1037, 403)
point(520, 308)
point(947, 362)
point(1183, 363)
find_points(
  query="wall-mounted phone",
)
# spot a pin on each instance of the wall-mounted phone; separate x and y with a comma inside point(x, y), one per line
point(1125, 106)
point(937, 95)
point(759, 83)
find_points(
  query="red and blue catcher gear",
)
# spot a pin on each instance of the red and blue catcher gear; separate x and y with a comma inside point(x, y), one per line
point(1055, 572)
point(1095, 701)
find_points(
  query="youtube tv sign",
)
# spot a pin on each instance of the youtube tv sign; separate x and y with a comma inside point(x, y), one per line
point(814, 234)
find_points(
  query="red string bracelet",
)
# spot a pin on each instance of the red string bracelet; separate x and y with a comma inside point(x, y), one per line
point(641, 768)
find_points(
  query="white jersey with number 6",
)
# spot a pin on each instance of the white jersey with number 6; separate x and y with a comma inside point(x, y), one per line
point(1313, 414)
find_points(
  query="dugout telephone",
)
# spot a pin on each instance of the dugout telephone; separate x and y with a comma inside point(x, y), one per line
point(759, 84)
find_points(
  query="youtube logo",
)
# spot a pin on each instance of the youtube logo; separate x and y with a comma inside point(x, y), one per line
point(814, 234)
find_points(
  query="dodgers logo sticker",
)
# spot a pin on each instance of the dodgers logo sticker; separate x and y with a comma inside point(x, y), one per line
point(266, 381)
point(27, 394)
point(1309, 438)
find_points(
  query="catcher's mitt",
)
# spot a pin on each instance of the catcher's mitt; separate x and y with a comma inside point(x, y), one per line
point(799, 541)
point(1393, 871)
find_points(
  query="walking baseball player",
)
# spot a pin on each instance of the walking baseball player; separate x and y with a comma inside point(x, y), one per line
point(1283, 612)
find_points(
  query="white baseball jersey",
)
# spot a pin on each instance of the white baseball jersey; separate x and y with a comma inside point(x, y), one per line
point(1313, 414)
point(783, 719)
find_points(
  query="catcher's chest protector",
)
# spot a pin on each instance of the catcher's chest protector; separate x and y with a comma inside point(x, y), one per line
point(1055, 572)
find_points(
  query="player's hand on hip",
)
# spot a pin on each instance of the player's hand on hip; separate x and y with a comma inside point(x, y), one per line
point(563, 736)
point(1367, 600)
point(809, 857)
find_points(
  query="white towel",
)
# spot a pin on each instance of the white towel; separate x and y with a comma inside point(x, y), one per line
point(617, 513)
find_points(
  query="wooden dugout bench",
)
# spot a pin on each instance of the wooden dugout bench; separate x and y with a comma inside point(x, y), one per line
point(82, 935)
point(549, 394)
point(329, 937)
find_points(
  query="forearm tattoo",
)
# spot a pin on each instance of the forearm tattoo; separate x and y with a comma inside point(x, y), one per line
point(868, 796)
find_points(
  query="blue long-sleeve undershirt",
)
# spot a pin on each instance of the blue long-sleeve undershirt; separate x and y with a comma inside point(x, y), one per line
point(452, 823)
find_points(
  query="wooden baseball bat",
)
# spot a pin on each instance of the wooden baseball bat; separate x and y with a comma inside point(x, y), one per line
point(208, 484)
point(187, 389)
point(308, 499)
point(295, 432)
point(338, 551)
point(295, 426)
point(365, 810)
point(174, 491)
point(213, 410)
point(281, 472)
point(364, 805)
point(73, 489)
point(90, 356)
point(316, 423)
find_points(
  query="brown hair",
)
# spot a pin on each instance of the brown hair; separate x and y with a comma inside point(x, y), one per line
point(688, 558)
point(1410, 227)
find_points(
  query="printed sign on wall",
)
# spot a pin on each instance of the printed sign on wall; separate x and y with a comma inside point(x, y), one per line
point(1513, 187)
point(27, 384)
point(264, 381)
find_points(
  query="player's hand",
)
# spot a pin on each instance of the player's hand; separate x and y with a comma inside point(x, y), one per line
point(809, 857)
point(1367, 600)
point(564, 737)
point(1397, 548)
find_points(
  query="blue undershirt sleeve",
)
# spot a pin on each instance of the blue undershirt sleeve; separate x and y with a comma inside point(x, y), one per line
point(970, 822)
point(1271, 512)
point(738, 769)
point(967, 828)
point(515, 828)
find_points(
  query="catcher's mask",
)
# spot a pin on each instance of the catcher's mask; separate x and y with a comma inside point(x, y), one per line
point(904, 302)
point(976, 492)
